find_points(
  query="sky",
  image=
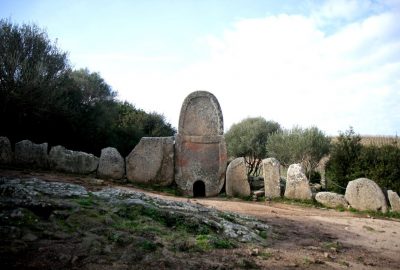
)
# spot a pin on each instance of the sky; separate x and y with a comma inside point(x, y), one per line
point(331, 64)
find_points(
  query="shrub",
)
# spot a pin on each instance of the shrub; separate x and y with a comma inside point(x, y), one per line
point(351, 160)
point(248, 139)
point(306, 146)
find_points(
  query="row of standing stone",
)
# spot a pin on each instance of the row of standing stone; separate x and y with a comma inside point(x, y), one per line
point(32, 155)
point(150, 162)
point(361, 194)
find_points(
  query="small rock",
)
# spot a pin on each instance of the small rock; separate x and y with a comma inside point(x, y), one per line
point(30, 237)
point(254, 252)
point(258, 193)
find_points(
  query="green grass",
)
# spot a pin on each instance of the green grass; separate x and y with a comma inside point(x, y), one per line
point(306, 203)
point(263, 234)
point(389, 214)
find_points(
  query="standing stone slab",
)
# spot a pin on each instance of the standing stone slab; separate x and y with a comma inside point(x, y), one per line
point(365, 194)
point(152, 161)
point(6, 154)
point(331, 199)
point(297, 185)
point(272, 176)
point(394, 200)
point(236, 179)
point(200, 149)
point(30, 154)
point(111, 164)
point(65, 160)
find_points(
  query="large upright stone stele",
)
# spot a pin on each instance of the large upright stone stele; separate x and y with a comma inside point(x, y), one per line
point(200, 149)
point(272, 178)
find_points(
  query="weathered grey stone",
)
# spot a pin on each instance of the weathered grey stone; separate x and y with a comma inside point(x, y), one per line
point(365, 194)
point(331, 199)
point(201, 115)
point(394, 200)
point(236, 179)
point(6, 154)
point(62, 159)
point(321, 169)
point(272, 176)
point(30, 154)
point(200, 149)
point(297, 185)
point(152, 161)
point(111, 164)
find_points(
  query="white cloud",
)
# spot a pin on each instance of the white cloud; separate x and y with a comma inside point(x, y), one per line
point(287, 68)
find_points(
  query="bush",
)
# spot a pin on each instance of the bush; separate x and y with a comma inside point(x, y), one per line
point(306, 146)
point(44, 100)
point(351, 160)
point(248, 139)
point(344, 155)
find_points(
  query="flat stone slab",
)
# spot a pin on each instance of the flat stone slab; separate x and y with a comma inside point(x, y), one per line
point(111, 164)
point(200, 149)
point(394, 200)
point(272, 177)
point(31, 154)
point(297, 184)
point(62, 159)
point(236, 179)
point(152, 161)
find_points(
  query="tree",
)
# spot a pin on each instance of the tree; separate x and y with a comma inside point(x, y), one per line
point(42, 99)
point(248, 139)
point(306, 146)
point(350, 160)
point(343, 159)
point(32, 71)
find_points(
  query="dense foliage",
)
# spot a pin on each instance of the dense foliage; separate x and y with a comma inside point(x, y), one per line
point(350, 160)
point(43, 99)
point(248, 139)
point(306, 146)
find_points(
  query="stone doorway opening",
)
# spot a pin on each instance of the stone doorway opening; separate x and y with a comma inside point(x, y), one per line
point(199, 189)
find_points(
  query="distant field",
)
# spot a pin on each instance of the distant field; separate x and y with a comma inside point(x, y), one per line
point(377, 140)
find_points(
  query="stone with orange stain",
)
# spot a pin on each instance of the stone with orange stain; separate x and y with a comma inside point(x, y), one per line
point(200, 149)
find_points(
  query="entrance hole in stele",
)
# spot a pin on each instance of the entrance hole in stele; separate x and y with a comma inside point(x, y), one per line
point(199, 189)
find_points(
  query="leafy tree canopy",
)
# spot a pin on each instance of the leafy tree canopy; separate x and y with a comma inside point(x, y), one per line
point(298, 145)
point(248, 139)
point(43, 99)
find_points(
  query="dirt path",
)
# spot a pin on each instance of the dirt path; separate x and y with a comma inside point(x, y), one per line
point(306, 236)
point(302, 237)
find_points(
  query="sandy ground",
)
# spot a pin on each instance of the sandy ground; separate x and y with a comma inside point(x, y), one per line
point(306, 236)
point(301, 237)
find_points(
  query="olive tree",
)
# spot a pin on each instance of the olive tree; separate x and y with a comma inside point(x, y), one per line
point(298, 145)
point(248, 139)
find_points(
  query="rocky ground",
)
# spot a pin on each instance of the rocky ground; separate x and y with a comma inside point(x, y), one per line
point(56, 221)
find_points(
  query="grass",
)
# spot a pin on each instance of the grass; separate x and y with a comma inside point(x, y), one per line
point(389, 214)
point(306, 203)
point(332, 245)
